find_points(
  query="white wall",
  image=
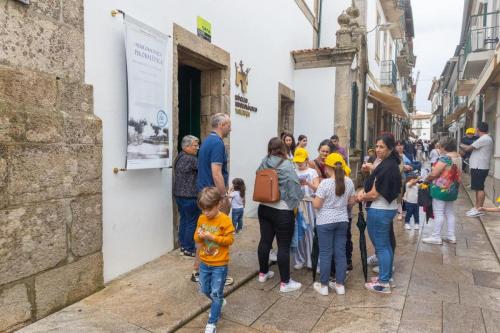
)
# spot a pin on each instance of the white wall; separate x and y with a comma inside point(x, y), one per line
point(314, 105)
point(137, 210)
point(331, 10)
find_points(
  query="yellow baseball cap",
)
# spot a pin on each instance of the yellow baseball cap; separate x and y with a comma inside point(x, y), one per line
point(335, 158)
point(300, 155)
point(498, 199)
point(470, 130)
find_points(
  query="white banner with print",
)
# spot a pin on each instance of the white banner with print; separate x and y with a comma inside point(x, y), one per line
point(148, 116)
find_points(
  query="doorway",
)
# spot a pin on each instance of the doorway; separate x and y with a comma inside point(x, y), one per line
point(286, 111)
point(189, 80)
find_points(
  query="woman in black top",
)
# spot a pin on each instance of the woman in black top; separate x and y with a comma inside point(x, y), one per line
point(184, 189)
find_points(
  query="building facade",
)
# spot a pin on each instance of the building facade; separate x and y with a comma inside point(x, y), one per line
point(421, 125)
point(390, 88)
point(467, 93)
point(71, 216)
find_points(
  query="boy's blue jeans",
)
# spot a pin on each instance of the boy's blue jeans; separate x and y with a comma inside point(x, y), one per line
point(237, 216)
point(379, 224)
point(412, 210)
point(212, 279)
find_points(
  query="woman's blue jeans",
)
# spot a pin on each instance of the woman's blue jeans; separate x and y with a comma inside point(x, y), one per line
point(332, 239)
point(379, 224)
point(212, 279)
point(189, 213)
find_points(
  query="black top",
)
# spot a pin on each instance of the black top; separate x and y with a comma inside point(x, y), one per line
point(387, 179)
point(185, 173)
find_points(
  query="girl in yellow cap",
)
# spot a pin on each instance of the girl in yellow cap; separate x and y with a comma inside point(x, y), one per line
point(333, 196)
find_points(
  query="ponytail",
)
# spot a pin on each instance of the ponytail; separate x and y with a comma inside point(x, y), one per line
point(339, 180)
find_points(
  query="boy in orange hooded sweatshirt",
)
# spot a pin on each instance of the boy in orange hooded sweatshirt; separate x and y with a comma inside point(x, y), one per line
point(214, 233)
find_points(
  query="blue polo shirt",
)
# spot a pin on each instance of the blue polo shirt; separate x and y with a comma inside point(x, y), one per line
point(212, 150)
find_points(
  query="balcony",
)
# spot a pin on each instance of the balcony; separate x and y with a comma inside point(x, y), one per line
point(482, 39)
point(388, 74)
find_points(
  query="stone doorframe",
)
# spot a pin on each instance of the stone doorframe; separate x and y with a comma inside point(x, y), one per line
point(286, 108)
point(214, 64)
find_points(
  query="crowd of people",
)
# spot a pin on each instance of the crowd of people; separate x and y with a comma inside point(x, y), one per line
point(316, 197)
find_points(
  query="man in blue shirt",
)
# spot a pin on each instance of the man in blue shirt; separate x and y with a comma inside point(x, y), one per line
point(212, 157)
point(212, 168)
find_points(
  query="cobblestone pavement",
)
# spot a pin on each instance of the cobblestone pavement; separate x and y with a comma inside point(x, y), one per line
point(448, 288)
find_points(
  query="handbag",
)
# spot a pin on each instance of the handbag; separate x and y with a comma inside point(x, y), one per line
point(266, 188)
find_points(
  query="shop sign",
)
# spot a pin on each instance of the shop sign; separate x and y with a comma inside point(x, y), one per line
point(204, 28)
point(241, 103)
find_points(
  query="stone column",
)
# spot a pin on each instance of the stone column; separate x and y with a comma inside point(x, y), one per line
point(342, 113)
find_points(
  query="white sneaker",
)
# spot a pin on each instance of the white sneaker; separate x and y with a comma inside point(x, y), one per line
point(476, 214)
point(290, 286)
point(452, 240)
point(432, 240)
point(339, 289)
point(264, 277)
point(472, 211)
point(273, 255)
point(322, 290)
point(416, 227)
point(372, 260)
point(407, 226)
point(298, 266)
point(210, 328)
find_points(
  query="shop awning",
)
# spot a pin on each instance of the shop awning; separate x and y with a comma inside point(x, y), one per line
point(390, 102)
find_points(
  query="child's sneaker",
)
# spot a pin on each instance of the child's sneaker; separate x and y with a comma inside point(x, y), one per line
point(195, 277)
point(378, 287)
point(407, 226)
point(290, 286)
point(264, 277)
point(322, 290)
point(210, 328)
point(416, 227)
point(298, 266)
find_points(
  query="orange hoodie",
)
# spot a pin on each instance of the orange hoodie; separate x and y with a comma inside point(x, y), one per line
point(216, 252)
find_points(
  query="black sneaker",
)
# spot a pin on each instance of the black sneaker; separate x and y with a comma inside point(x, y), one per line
point(189, 254)
point(195, 277)
point(181, 251)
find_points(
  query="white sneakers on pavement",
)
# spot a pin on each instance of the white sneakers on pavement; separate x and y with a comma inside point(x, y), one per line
point(322, 290)
point(473, 212)
point(264, 277)
point(210, 328)
point(298, 266)
point(452, 240)
point(273, 255)
point(407, 226)
point(290, 286)
point(416, 227)
point(433, 240)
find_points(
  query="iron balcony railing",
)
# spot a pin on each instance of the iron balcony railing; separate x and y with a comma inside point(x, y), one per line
point(484, 32)
point(388, 73)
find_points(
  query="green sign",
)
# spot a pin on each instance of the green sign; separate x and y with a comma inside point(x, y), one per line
point(204, 28)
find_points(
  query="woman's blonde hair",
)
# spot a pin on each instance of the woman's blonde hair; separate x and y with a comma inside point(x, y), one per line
point(209, 197)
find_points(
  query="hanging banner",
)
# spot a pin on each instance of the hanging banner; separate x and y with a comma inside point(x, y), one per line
point(148, 114)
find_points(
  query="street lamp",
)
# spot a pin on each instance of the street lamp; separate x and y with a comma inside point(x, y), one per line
point(383, 27)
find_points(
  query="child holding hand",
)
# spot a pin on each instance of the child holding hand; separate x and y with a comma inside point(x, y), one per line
point(214, 234)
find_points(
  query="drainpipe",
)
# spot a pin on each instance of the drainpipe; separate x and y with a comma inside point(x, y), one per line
point(319, 22)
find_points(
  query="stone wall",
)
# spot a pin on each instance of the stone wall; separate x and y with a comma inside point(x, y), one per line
point(50, 163)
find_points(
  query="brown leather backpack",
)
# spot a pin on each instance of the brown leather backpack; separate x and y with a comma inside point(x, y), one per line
point(266, 188)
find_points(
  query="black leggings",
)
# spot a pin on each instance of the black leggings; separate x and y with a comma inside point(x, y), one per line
point(279, 223)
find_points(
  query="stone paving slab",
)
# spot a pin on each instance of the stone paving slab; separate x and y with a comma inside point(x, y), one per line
point(157, 297)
